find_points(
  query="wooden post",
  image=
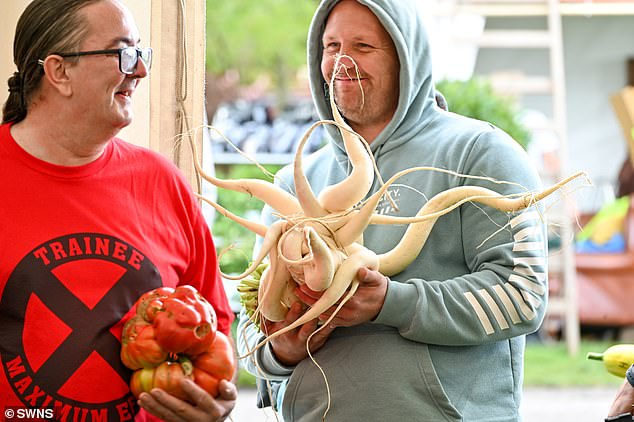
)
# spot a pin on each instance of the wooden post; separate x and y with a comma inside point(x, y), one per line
point(177, 86)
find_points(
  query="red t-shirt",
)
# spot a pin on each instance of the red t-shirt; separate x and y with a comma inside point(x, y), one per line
point(78, 246)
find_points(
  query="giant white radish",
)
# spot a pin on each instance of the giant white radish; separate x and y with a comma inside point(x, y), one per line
point(317, 238)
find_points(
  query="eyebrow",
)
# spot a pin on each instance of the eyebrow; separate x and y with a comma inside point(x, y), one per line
point(125, 40)
point(357, 37)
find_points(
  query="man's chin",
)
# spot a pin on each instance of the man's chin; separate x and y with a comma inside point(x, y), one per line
point(348, 105)
point(350, 112)
point(120, 125)
point(125, 119)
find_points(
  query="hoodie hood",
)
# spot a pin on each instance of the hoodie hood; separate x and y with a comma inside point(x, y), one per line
point(416, 105)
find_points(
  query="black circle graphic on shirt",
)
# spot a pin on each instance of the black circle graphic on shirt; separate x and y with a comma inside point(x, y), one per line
point(90, 326)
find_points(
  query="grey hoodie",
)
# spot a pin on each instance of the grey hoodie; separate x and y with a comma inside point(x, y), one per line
point(448, 343)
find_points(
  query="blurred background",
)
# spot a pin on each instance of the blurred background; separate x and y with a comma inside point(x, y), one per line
point(557, 75)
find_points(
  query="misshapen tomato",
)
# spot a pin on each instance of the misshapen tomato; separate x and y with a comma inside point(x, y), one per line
point(142, 381)
point(173, 336)
point(206, 370)
point(152, 302)
point(139, 348)
point(186, 323)
point(217, 363)
point(167, 376)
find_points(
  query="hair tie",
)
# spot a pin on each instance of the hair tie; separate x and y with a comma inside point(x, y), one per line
point(17, 84)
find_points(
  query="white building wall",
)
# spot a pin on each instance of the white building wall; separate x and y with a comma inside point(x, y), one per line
point(596, 50)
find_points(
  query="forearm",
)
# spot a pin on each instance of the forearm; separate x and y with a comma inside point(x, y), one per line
point(624, 400)
point(477, 308)
point(481, 277)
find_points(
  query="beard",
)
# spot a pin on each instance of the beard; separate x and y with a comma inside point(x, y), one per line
point(365, 105)
point(352, 104)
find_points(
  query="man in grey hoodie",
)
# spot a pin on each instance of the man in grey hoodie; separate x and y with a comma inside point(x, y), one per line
point(444, 339)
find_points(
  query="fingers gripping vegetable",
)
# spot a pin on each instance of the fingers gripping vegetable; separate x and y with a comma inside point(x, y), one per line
point(317, 240)
point(345, 277)
point(173, 336)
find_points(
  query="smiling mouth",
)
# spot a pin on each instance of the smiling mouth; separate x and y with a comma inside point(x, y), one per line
point(345, 76)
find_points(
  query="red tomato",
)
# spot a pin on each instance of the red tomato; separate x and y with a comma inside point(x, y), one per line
point(139, 348)
point(217, 363)
point(167, 376)
point(173, 336)
point(151, 302)
point(186, 323)
point(142, 381)
point(206, 370)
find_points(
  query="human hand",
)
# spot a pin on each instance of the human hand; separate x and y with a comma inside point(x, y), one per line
point(204, 408)
point(290, 348)
point(623, 401)
point(363, 306)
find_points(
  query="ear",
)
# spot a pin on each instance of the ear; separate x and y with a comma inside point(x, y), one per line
point(56, 72)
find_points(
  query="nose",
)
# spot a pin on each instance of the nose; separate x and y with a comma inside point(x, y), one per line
point(345, 60)
point(141, 70)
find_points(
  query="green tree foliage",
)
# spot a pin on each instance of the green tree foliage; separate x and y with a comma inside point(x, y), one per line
point(476, 98)
point(255, 37)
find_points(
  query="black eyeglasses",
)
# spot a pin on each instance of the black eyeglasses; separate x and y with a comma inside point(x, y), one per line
point(128, 57)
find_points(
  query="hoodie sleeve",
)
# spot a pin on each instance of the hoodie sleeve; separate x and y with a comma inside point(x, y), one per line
point(502, 291)
point(262, 362)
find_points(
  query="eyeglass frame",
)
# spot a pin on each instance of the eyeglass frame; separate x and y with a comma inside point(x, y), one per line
point(118, 52)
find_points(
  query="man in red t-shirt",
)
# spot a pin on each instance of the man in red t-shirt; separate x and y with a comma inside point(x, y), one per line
point(89, 222)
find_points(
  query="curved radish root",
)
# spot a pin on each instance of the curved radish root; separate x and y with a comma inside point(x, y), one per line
point(318, 239)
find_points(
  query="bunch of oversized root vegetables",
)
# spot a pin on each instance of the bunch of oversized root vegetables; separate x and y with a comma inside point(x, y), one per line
point(317, 240)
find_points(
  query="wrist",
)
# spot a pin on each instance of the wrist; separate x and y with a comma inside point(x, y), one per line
point(285, 364)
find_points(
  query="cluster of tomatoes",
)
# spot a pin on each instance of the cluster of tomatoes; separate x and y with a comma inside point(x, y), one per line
point(173, 335)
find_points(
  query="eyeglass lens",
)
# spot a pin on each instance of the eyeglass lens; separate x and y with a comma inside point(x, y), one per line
point(130, 57)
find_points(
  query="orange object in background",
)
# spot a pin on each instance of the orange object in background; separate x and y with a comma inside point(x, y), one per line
point(605, 282)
